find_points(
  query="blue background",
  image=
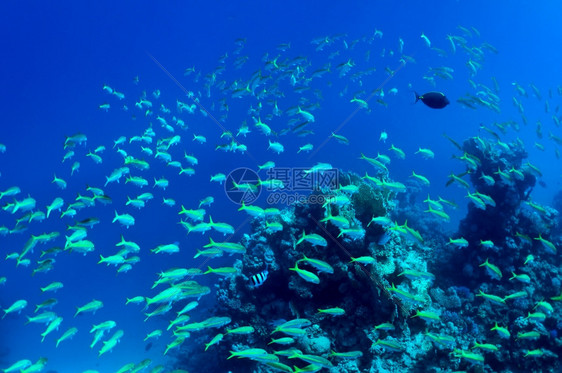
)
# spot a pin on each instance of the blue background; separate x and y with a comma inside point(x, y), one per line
point(56, 56)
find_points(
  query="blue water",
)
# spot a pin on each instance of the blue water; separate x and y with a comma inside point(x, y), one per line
point(56, 57)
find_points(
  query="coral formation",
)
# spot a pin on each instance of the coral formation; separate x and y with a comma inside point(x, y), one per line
point(350, 256)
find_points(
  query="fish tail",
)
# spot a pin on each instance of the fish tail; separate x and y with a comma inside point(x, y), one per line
point(417, 97)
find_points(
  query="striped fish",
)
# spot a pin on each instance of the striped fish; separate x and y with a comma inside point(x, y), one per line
point(259, 278)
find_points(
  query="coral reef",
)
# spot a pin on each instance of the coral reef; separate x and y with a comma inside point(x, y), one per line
point(359, 283)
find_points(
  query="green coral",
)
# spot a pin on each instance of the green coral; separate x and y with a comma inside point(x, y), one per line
point(369, 202)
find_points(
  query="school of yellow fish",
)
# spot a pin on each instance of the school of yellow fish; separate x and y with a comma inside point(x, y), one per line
point(166, 139)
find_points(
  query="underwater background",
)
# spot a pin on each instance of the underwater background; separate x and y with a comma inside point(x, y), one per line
point(455, 269)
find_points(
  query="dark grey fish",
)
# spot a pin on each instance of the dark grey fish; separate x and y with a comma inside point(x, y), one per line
point(435, 100)
point(383, 239)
